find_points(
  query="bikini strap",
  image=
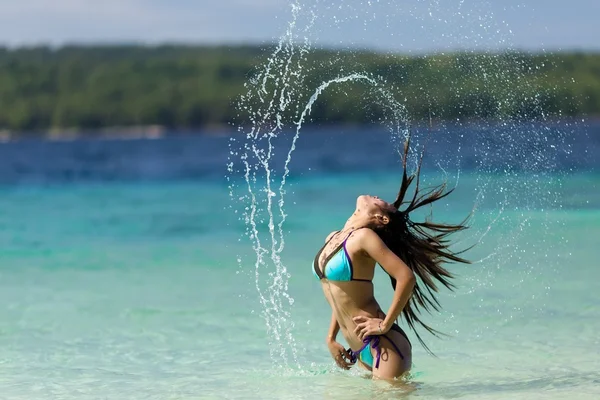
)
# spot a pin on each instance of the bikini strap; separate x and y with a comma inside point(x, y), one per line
point(318, 271)
point(348, 237)
point(374, 341)
point(350, 261)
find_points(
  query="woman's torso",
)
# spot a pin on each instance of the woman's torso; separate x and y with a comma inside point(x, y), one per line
point(352, 297)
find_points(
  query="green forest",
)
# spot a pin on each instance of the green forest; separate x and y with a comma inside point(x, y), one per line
point(88, 88)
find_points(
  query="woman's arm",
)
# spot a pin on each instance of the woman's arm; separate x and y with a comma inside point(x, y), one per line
point(338, 352)
point(334, 328)
point(373, 246)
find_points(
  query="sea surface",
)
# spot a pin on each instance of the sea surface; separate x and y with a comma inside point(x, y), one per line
point(126, 271)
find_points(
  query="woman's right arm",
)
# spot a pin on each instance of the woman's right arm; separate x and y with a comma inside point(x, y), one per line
point(338, 352)
point(334, 328)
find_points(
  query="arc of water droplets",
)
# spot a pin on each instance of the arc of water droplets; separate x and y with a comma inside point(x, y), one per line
point(395, 107)
point(279, 321)
point(278, 318)
point(273, 311)
point(280, 71)
point(305, 112)
point(284, 74)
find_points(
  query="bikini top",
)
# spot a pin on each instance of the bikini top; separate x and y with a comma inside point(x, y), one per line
point(338, 266)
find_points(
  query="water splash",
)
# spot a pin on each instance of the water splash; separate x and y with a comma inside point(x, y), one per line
point(280, 98)
point(269, 96)
point(275, 299)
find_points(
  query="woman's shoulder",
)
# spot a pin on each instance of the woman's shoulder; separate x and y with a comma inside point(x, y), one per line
point(328, 238)
point(364, 236)
point(360, 235)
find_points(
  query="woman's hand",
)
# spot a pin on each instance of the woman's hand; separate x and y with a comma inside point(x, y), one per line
point(339, 354)
point(369, 326)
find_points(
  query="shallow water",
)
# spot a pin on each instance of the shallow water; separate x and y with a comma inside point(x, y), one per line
point(128, 286)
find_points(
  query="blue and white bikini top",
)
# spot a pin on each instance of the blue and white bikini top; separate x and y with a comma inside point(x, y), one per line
point(338, 266)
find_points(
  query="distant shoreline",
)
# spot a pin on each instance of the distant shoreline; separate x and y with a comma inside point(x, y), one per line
point(155, 132)
point(148, 91)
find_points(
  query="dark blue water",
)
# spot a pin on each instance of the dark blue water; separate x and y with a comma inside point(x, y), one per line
point(488, 148)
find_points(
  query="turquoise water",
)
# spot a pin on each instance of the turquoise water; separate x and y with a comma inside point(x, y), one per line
point(133, 290)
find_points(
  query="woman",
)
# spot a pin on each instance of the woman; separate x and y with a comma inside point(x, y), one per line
point(380, 233)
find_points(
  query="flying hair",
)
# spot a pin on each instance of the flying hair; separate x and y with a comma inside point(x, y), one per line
point(423, 246)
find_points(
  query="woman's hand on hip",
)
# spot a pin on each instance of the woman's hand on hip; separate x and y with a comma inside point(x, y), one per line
point(366, 326)
point(339, 354)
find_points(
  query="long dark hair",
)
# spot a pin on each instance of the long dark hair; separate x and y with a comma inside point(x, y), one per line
point(423, 246)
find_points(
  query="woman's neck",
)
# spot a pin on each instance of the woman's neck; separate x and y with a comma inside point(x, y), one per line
point(357, 221)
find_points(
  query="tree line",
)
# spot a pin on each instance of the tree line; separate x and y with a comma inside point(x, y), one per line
point(189, 87)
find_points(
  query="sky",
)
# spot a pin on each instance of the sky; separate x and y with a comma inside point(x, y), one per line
point(400, 25)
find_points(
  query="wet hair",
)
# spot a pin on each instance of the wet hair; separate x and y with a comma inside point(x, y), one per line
point(423, 246)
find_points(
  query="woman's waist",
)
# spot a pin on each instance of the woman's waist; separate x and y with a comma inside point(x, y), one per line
point(345, 317)
point(349, 307)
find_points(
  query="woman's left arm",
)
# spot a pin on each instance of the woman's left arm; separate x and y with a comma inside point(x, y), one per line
point(372, 244)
